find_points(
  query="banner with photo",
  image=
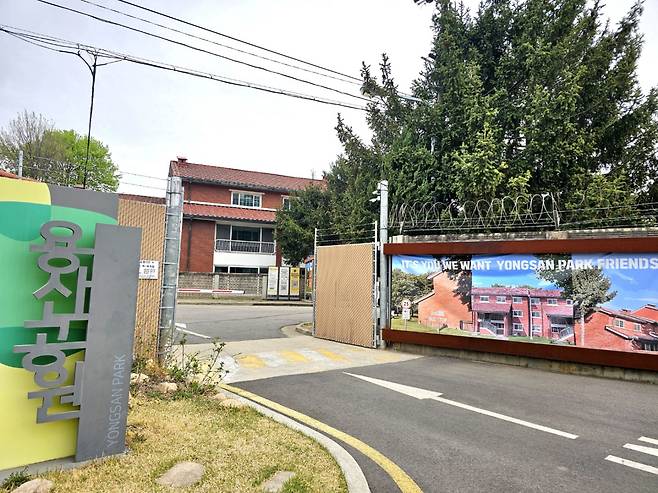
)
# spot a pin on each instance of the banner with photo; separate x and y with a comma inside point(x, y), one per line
point(603, 301)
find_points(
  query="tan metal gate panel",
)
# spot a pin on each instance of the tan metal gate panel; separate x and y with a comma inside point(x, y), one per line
point(343, 297)
point(151, 218)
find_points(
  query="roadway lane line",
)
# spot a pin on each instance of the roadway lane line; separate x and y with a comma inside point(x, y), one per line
point(195, 334)
point(397, 474)
point(643, 449)
point(648, 440)
point(633, 464)
point(435, 396)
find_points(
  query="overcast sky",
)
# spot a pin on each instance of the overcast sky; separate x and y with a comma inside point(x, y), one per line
point(148, 117)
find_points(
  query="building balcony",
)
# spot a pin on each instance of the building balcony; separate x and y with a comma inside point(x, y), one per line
point(239, 246)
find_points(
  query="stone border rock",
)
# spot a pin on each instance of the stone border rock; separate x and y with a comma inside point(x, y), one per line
point(356, 480)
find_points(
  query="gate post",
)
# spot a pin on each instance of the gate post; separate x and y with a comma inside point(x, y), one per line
point(384, 311)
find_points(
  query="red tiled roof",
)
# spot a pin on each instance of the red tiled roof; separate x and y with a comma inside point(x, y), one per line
point(142, 198)
point(224, 212)
point(559, 310)
point(534, 292)
point(7, 174)
point(625, 315)
point(239, 177)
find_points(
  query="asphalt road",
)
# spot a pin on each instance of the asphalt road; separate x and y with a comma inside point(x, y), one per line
point(239, 322)
point(446, 448)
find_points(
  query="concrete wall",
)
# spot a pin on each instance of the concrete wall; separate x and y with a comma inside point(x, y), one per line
point(251, 284)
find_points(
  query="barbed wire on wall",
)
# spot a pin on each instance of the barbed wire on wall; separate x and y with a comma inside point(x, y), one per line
point(347, 234)
point(537, 212)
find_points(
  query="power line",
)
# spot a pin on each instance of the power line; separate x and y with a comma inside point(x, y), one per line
point(169, 28)
point(202, 50)
point(74, 48)
point(253, 45)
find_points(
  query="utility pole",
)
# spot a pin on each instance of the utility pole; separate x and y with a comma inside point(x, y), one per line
point(174, 222)
point(384, 311)
point(20, 163)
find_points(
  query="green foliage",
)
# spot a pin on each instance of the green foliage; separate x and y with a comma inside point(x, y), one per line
point(14, 480)
point(520, 97)
point(57, 156)
point(295, 227)
point(405, 285)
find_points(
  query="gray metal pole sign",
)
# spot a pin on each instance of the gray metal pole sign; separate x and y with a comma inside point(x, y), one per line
point(384, 311)
point(174, 215)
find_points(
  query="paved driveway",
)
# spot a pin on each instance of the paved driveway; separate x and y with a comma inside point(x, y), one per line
point(239, 322)
point(446, 441)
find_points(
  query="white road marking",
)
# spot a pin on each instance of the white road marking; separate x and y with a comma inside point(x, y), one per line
point(271, 359)
point(648, 440)
point(633, 464)
point(313, 355)
point(403, 389)
point(427, 394)
point(643, 449)
point(195, 334)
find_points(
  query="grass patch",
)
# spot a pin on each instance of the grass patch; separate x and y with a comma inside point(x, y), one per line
point(240, 449)
point(14, 480)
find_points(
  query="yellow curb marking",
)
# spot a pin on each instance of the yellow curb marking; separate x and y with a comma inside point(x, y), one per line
point(250, 361)
point(331, 355)
point(294, 357)
point(401, 478)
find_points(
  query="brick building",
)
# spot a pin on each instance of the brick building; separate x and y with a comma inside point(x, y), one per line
point(229, 217)
point(621, 330)
point(500, 311)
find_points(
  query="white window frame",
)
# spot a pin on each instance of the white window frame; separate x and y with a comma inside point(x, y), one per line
point(517, 299)
point(552, 301)
point(484, 298)
point(246, 192)
point(535, 301)
point(516, 327)
point(637, 327)
point(285, 198)
point(619, 323)
point(536, 329)
point(532, 314)
point(501, 299)
point(517, 313)
point(570, 302)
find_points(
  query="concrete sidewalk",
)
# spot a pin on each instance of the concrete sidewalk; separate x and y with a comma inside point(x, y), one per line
point(292, 355)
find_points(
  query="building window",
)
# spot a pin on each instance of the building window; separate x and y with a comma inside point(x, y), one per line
point(244, 270)
point(536, 315)
point(619, 323)
point(484, 299)
point(534, 301)
point(551, 301)
point(536, 329)
point(501, 299)
point(637, 327)
point(245, 199)
point(517, 299)
point(517, 313)
point(555, 329)
point(516, 328)
point(221, 269)
point(242, 233)
point(569, 302)
point(285, 203)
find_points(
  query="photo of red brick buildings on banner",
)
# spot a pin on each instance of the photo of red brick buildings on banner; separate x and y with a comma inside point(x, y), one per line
point(603, 301)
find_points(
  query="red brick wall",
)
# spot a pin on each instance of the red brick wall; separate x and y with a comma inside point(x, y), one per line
point(650, 312)
point(197, 246)
point(444, 307)
point(220, 194)
point(597, 337)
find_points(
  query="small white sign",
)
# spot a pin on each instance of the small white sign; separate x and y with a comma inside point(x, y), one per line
point(148, 269)
point(406, 303)
point(406, 314)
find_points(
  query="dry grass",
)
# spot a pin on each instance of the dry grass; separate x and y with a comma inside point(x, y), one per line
point(240, 448)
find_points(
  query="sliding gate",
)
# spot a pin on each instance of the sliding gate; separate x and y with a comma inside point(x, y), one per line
point(345, 293)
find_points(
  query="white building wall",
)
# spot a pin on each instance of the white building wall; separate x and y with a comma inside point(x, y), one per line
point(244, 259)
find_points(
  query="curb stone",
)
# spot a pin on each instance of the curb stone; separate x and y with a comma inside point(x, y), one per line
point(354, 477)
